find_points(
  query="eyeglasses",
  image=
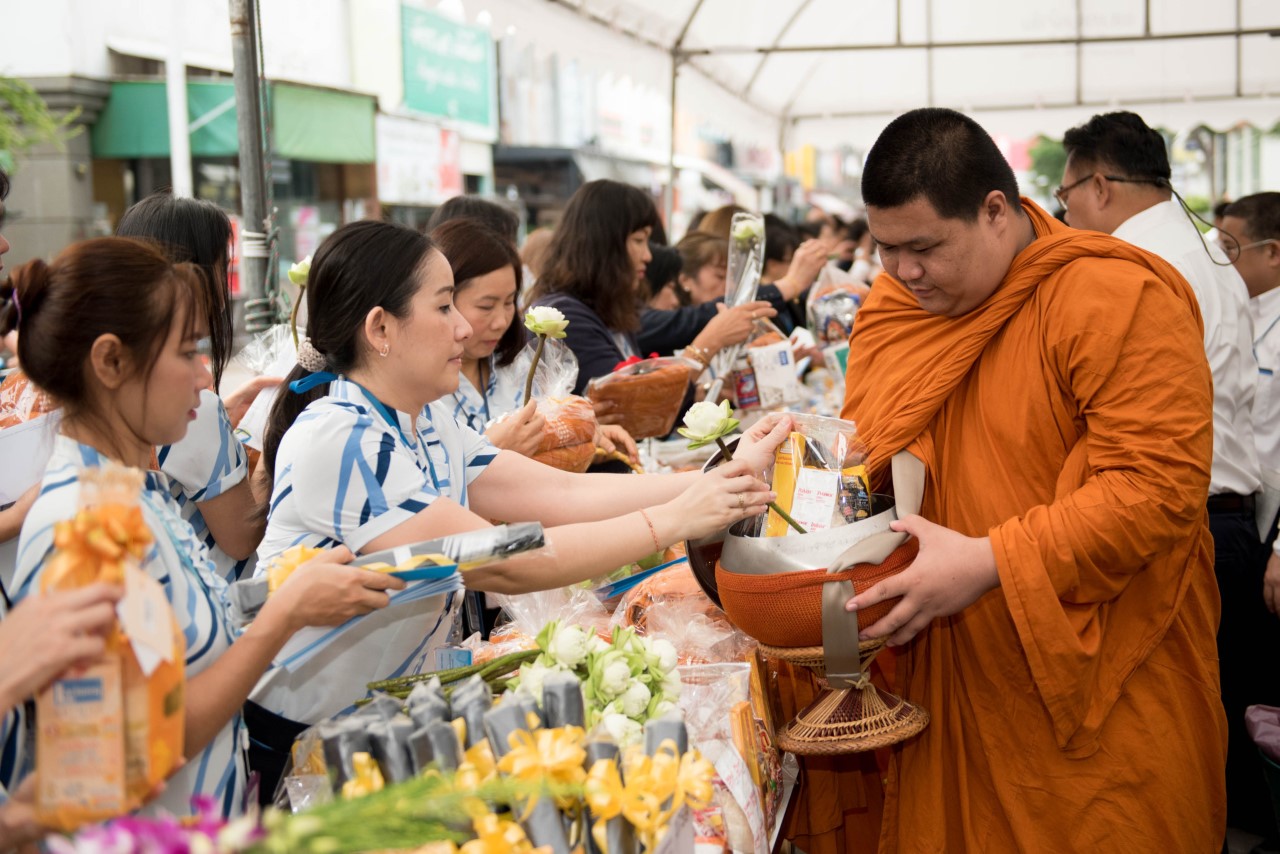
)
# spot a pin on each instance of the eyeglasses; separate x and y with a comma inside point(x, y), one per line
point(1234, 250)
point(1061, 193)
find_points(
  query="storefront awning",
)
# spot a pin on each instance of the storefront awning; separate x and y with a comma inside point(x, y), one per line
point(309, 124)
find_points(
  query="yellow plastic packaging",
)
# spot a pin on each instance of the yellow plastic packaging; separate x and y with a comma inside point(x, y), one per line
point(107, 736)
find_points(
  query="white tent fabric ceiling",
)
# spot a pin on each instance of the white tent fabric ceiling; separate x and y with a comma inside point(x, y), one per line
point(834, 71)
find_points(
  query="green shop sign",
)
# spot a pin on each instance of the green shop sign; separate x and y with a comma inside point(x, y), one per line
point(448, 67)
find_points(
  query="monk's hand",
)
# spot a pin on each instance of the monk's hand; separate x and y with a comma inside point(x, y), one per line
point(1271, 584)
point(950, 573)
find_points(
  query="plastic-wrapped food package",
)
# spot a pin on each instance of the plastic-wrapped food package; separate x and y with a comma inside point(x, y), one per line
point(568, 436)
point(764, 376)
point(109, 734)
point(648, 393)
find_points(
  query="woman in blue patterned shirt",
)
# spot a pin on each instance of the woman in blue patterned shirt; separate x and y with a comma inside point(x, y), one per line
point(366, 452)
point(109, 330)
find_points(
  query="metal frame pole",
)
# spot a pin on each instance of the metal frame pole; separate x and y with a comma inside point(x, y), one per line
point(253, 168)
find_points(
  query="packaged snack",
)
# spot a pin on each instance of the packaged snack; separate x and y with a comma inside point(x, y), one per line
point(568, 435)
point(765, 376)
point(648, 392)
point(832, 305)
point(106, 737)
point(820, 478)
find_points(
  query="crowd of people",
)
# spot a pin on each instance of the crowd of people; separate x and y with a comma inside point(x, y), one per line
point(1093, 401)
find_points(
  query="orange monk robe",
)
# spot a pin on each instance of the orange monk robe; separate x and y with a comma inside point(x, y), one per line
point(1075, 707)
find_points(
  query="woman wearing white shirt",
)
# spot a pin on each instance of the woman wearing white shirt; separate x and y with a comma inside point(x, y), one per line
point(365, 454)
point(109, 330)
point(485, 268)
point(208, 469)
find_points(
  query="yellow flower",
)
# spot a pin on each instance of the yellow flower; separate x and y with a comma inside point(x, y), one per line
point(548, 757)
point(368, 778)
point(496, 836)
point(476, 768)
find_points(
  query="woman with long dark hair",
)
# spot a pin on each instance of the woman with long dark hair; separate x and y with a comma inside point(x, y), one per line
point(593, 273)
point(365, 452)
point(209, 469)
point(109, 330)
point(486, 276)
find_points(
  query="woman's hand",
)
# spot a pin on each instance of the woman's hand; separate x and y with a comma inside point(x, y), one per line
point(731, 325)
point(714, 501)
point(519, 431)
point(951, 572)
point(807, 262)
point(607, 412)
point(239, 401)
point(612, 438)
point(324, 591)
point(51, 633)
point(757, 445)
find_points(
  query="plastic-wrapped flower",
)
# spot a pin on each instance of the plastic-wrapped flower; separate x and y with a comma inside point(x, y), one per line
point(545, 320)
point(706, 422)
point(298, 272)
point(748, 229)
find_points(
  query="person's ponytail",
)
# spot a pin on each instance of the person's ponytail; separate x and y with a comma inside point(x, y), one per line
point(285, 410)
point(23, 295)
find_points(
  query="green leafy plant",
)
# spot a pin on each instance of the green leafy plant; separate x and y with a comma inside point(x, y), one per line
point(25, 122)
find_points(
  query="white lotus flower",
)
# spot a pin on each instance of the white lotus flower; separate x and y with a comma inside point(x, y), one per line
point(299, 272)
point(705, 422)
point(622, 729)
point(748, 229)
point(666, 654)
point(545, 320)
point(635, 700)
point(569, 646)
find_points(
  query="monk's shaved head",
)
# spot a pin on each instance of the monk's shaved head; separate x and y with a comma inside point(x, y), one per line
point(939, 155)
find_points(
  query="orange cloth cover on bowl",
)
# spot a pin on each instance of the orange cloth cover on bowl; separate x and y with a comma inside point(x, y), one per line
point(786, 609)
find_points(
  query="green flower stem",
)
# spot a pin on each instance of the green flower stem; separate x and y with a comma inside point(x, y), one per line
point(773, 505)
point(505, 664)
point(537, 354)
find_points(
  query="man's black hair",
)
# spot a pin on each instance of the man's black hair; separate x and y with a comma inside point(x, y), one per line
point(942, 156)
point(1261, 215)
point(1120, 141)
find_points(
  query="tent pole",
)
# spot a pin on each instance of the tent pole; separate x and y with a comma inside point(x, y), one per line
point(669, 202)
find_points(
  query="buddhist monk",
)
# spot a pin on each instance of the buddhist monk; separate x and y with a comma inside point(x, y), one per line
point(1059, 621)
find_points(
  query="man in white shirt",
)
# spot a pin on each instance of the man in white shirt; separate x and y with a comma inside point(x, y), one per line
point(1251, 236)
point(1117, 180)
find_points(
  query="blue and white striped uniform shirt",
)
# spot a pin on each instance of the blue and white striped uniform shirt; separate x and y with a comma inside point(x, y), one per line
point(504, 393)
point(207, 462)
point(349, 470)
point(179, 561)
point(13, 742)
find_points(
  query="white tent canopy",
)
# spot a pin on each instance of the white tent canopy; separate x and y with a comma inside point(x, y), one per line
point(834, 72)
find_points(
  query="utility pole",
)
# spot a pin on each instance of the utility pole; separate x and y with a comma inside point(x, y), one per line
point(256, 251)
